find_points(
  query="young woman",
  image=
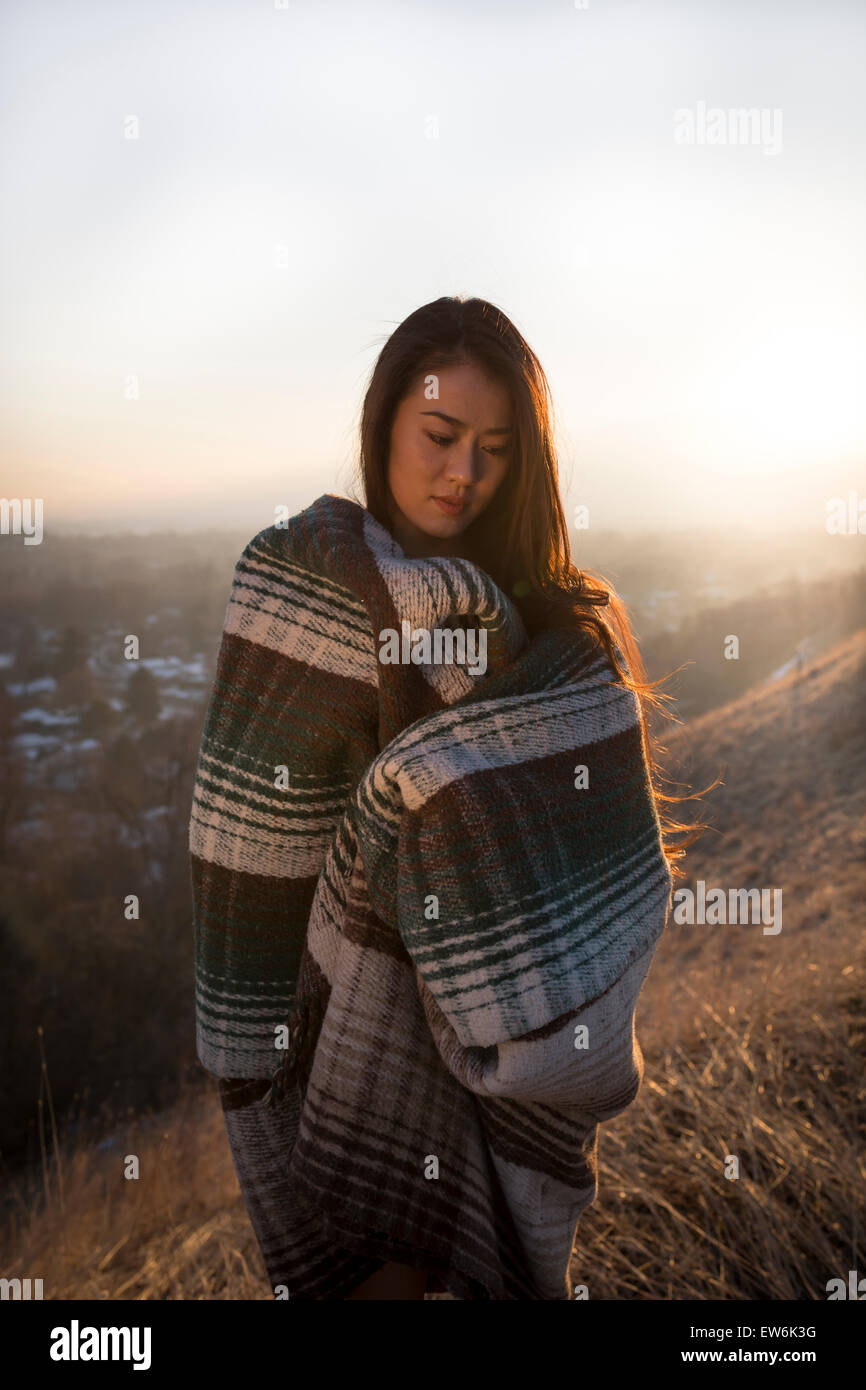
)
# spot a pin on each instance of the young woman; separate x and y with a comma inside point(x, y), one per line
point(458, 465)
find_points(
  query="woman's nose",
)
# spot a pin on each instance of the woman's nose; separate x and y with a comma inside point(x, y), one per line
point(464, 464)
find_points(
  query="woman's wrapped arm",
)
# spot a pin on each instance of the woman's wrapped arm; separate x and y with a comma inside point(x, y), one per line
point(288, 715)
point(519, 839)
point(293, 706)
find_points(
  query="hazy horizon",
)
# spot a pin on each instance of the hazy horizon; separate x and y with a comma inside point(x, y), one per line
point(744, 532)
point(190, 315)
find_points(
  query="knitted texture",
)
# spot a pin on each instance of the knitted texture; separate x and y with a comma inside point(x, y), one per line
point(420, 928)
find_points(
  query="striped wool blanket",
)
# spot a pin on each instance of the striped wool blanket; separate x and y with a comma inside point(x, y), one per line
point(426, 895)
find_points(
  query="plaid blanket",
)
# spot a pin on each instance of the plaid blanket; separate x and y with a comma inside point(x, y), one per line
point(425, 900)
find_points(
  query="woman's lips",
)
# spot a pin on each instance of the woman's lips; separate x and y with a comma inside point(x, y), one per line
point(451, 508)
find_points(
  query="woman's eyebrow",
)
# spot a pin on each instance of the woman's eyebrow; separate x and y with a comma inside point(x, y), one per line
point(496, 429)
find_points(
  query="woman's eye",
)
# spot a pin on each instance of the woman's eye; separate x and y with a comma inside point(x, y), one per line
point(442, 439)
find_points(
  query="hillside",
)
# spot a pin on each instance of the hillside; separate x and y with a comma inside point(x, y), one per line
point(791, 812)
point(754, 1047)
point(754, 1043)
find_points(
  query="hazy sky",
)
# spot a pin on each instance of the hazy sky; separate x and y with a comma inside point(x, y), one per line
point(700, 309)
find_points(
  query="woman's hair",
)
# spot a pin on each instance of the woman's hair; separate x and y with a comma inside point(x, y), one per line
point(521, 537)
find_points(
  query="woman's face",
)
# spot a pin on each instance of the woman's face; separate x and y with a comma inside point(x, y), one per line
point(455, 445)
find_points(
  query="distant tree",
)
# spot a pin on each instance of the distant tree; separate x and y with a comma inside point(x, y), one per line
point(10, 776)
point(142, 695)
point(76, 688)
point(7, 717)
point(98, 718)
point(197, 631)
point(31, 658)
point(125, 756)
point(73, 652)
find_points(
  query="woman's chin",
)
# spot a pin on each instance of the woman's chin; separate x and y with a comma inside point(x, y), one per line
point(437, 523)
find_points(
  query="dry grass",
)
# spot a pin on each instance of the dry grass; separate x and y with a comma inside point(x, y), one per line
point(178, 1231)
point(754, 1046)
point(776, 1078)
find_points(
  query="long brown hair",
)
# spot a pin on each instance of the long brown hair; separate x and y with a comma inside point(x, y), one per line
point(521, 537)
